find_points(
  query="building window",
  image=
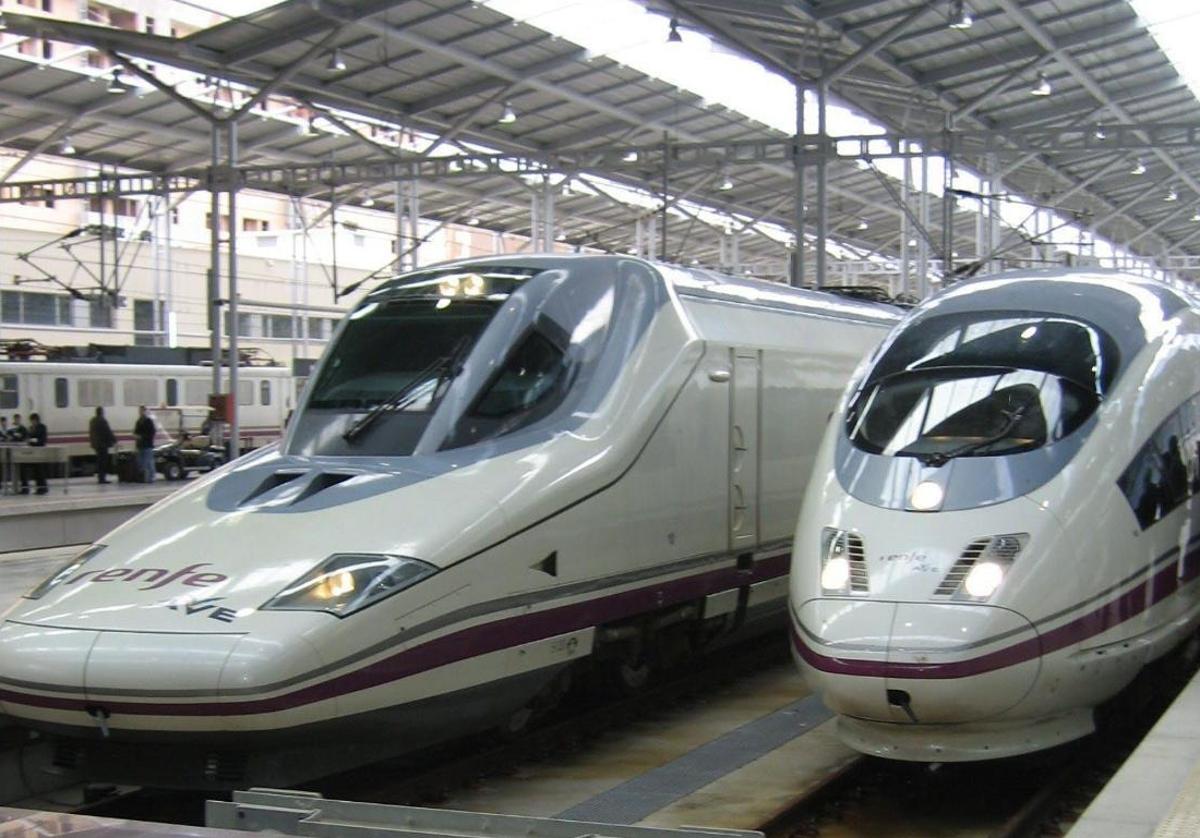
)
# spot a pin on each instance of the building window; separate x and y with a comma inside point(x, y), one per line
point(277, 326)
point(249, 325)
point(172, 392)
point(224, 222)
point(35, 309)
point(100, 312)
point(256, 225)
point(264, 392)
point(125, 207)
point(62, 393)
point(144, 326)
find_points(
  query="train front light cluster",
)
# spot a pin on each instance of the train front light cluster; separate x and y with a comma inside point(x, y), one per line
point(990, 560)
point(349, 582)
point(837, 570)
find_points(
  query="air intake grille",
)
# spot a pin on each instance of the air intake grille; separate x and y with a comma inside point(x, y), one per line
point(954, 579)
point(859, 581)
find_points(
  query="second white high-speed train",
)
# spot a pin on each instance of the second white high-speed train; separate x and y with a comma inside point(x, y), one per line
point(1003, 526)
point(501, 468)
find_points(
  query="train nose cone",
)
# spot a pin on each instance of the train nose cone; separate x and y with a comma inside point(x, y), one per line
point(916, 662)
point(41, 669)
point(950, 662)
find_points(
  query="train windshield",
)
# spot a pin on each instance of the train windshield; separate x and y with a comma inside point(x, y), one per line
point(981, 384)
point(399, 353)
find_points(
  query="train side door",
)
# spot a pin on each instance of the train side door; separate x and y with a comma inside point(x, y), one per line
point(744, 449)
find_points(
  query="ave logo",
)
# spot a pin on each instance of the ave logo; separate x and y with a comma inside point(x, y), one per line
point(206, 607)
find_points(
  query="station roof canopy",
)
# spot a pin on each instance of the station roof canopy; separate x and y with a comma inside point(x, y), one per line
point(449, 68)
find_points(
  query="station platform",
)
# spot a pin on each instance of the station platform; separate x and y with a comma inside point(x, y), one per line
point(1156, 793)
point(736, 759)
point(76, 511)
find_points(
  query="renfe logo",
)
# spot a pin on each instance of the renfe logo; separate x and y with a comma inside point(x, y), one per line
point(157, 577)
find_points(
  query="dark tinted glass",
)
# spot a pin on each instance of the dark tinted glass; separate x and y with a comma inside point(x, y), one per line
point(981, 384)
point(386, 346)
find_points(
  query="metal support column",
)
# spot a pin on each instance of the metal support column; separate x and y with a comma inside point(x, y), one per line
point(922, 241)
point(234, 326)
point(822, 196)
point(214, 269)
point(905, 231)
point(548, 217)
point(948, 205)
point(414, 223)
point(797, 271)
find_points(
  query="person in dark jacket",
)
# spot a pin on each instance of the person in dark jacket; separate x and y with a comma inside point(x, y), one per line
point(37, 437)
point(143, 433)
point(17, 432)
point(102, 438)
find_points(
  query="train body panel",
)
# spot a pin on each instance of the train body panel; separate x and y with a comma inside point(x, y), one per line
point(606, 454)
point(1010, 577)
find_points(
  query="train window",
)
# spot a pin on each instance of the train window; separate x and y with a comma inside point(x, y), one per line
point(1166, 471)
point(245, 392)
point(139, 391)
point(10, 396)
point(195, 391)
point(264, 392)
point(523, 391)
point(62, 393)
point(96, 392)
point(981, 384)
point(172, 392)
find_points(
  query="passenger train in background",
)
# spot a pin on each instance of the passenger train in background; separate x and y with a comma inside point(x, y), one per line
point(1003, 525)
point(501, 471)
point(66, 395)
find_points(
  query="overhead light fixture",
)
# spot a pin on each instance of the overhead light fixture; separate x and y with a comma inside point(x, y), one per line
point(1196, 214)
point(1042, 88)
point(307, 128)
point(1172, 195)
point(116, 84)
point(629, 157)
point(863, 224)
point(368, 201)
point(673, 37)
point(912, 242)
point(1139, 168)
point(473, 221)
point(509, 116)
point(726, 182)
point(65, 146)
point(960, 15)
point(1099, 133)
point(3, 25)
point(336, 62)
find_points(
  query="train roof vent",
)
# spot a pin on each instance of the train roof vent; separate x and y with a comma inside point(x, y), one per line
point(859, 581)
point(322, 481)
point(954, 578)
point(271, 482)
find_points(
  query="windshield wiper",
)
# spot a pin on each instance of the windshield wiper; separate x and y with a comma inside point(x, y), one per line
point(940, 458)
point(446, 366)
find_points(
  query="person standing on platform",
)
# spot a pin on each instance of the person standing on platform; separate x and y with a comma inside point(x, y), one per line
point(18, 432)
point(3, 429)
point(143, 433)
point(102, 438)
point(37, 438)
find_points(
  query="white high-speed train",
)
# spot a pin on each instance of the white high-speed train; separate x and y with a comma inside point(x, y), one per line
point(1001, 528)
point(500, 468)
point(67, 393)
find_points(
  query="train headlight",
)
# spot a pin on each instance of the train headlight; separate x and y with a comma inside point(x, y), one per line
point(65, 572)
point(984, 564)
point(927, 496)
point(983, 580)
point(348, 582)
point(835, 561)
